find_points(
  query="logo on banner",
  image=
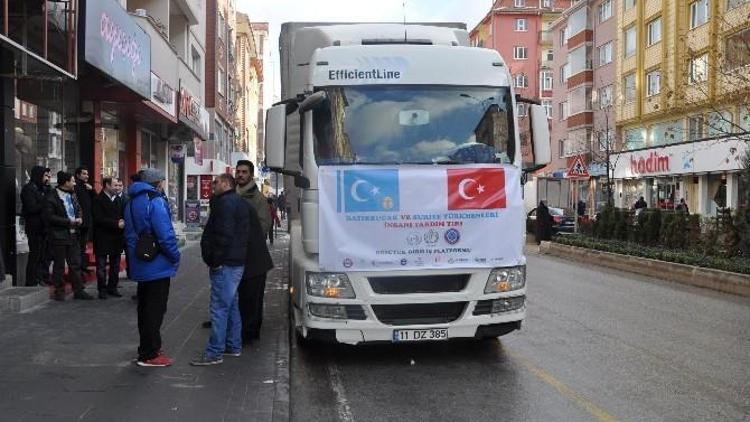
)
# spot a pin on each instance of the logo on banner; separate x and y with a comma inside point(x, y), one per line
point(452, 236)
point(431, 237)
point(476, 189)
point(414, 239)
point(367, 190)
point(348, 263)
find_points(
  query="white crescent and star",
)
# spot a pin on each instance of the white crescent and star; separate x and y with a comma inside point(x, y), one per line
point(354, 193)
point(462, 189)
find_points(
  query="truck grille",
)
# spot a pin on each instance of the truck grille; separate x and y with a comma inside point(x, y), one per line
point(419, 313)
point(419, 284)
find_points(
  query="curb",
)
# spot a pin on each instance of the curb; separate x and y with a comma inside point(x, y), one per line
point(722, 281)
point(281, 401)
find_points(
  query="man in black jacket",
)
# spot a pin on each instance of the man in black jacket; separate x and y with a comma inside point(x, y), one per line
point(109, 236)
point(62, 215)
point(223, 249)
point(32, 200)
point(85, 194)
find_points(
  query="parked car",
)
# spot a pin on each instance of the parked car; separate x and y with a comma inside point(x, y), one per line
point(561, 222)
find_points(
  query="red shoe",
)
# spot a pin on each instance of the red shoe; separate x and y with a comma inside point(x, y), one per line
point(158, 361)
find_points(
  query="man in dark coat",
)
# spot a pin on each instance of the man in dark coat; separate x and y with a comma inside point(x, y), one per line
point(85, 195)
point(223, 249)
point(32, 200)
point(543, 223)
point(62, 215)
point(109, 237)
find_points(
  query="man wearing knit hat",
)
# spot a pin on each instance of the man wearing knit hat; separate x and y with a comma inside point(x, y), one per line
point(148, 212)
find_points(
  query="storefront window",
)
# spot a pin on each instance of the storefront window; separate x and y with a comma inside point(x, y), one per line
point(113, 151)
point(744, 118)
point(667, 133)
point(635, 139)
point(719, 124)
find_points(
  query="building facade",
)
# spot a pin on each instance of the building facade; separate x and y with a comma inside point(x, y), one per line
point(683, 89)
point(520, 30)
point(249, 79)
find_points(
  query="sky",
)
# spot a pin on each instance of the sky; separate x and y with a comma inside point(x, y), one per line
point(276, 12)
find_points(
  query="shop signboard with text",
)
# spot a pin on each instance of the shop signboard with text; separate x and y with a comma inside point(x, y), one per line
point(163, 95)
point(206, 180)
point(116, 45)
point(412, 217)
point(693, 157)
point(193, 114)
point(192, 213)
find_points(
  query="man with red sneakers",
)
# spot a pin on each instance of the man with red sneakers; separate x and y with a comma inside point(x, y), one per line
point(147, 212)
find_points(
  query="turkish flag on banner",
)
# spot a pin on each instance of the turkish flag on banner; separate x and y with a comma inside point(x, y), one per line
point(476, 189)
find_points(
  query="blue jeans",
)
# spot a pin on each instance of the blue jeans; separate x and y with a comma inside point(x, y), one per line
point(226, 324)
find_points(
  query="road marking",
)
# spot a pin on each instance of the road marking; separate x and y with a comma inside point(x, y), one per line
point(337, 385)
point(597, 412)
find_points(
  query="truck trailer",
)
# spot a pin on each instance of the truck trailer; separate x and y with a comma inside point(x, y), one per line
point(402, 144)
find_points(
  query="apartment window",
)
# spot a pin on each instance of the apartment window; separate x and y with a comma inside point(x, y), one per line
point(628, 88)
point(578, 22)
point(221, 26)
point(731, 4)
point(579, 60)
point(563, 110)
point(743, 118)
point(699, 13)
point(561, 148)
point(605, 139)
point(579, 100)
point(635, 138)
point(629, 4)
point(718, 124)
point(547, 3)
point(698, 69)
point(695, 128)
point(605, 53)
point(196, 64)
point(654, 31)
point(521, 25)
point(653, 83)
point(564, 73)
point(547, 80)
point(521, 81)
point(521, 110)
point(547, 104)
point(605, 96)
point(737, 50)
point(221, 81)
point(520, 53)
point(564, 35)
point(550, 55)
point(630, 39)
point(605, 10)
point(520, 3)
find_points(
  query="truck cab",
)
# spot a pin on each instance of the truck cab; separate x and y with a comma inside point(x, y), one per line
point(403, 148)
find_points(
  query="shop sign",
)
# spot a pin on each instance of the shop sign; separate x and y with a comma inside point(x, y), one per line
point(117, 46)
point(163, 95)
point(193, 114)
point(191, 186)
point(177, 153)
point(192, 213)
point(716, 155)
point(206, 191)
point(198, 152)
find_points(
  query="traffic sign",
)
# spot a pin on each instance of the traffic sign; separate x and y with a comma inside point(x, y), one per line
point(578, 168)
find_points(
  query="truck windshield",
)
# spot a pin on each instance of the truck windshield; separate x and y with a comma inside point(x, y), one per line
point(398, 124)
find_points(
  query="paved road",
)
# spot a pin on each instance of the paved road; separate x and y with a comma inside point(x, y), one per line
point(597, 345)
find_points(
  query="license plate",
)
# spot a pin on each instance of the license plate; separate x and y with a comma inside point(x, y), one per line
point(426, 334)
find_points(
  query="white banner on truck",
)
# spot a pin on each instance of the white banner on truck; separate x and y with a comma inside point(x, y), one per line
point(419, 217)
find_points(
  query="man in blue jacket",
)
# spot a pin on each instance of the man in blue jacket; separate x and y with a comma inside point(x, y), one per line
point(147, 211)
point(223, 248)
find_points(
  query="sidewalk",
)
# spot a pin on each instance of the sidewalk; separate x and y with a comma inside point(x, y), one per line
point(74, 360)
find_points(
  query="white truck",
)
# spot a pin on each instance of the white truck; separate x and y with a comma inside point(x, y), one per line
point(407, 218)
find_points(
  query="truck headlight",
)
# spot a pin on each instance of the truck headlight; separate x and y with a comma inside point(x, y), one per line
point(330, 285)
point(506, 279)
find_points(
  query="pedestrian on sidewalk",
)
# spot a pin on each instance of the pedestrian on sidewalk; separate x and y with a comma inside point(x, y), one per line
point(62, 215)
point(543, 223)
point(148, 212)
point(223, 249)
point(33, 203)
point(258, 263)
point(109, 236)
point(85, 194)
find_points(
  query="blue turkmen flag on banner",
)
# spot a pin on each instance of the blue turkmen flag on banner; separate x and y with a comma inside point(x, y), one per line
point(367, 190)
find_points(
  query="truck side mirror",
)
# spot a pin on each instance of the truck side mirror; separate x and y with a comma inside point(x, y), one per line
point(540, 138)
point(312, 101)
point(275, 136)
